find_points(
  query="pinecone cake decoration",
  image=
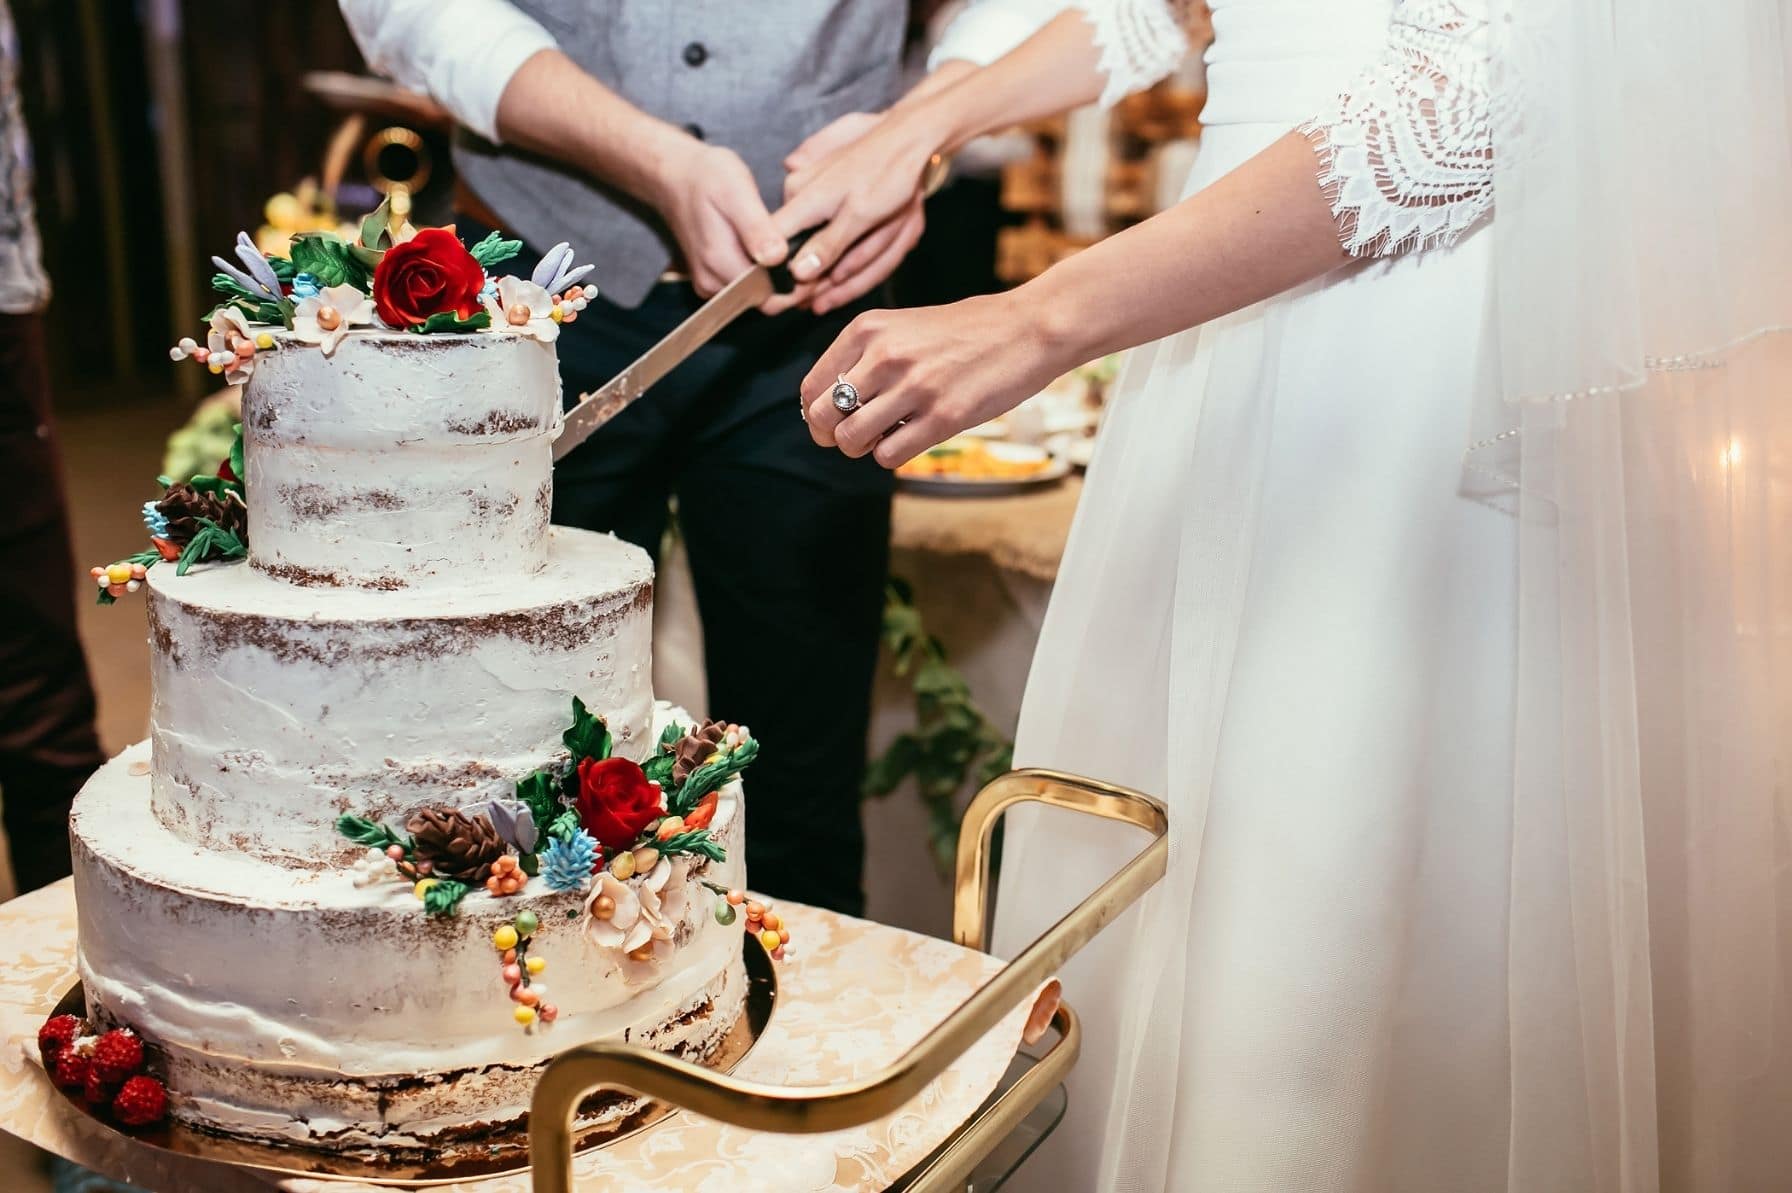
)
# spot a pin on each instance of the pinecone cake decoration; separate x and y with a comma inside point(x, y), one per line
point(695, 748)
point(456, 845)
point(183, 506)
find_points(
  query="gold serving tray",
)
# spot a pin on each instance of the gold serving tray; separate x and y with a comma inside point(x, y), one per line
point(497, 1155)
point(1027, 980)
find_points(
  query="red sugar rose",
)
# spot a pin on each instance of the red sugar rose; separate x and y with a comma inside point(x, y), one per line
point(616, 801)
point(428, 274)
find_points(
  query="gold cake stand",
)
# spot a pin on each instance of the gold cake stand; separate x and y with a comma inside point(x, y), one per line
point(920, 1122)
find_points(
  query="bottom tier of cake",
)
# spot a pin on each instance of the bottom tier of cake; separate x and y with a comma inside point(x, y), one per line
point(300, 1006)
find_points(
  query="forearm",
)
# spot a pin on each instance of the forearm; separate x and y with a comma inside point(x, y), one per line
point(1260, 230)
point(1053, 71)
point(935, 81)
point(554, 107)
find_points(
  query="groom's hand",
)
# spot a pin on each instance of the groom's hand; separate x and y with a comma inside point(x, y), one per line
point(707, 197)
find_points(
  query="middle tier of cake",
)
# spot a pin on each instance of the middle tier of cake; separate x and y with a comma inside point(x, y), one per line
point(278, 707)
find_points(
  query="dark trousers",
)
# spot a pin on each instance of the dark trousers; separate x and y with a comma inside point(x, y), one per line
point(48, 746)
point(789, 549)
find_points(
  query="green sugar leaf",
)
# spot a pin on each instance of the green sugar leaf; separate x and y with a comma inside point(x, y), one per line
point(236, 457)
point(710, 776)
point(658, 769)
point(444, 897)
point(494, 250)
point(589, 737)
point(376, 226)
point(212, 542)
point(450, 321)
point(326, 257)
point(698, 842)
point(540, 790)
point(370, 833)
point(564, 825)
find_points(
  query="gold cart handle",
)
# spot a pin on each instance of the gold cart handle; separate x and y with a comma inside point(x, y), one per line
point(786, 1110)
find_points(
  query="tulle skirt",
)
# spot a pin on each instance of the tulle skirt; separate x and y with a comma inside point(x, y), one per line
point(1283, 612)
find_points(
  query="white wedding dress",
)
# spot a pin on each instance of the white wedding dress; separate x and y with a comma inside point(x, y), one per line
point(1282, 611)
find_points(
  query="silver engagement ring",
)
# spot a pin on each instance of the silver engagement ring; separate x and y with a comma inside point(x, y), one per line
point(845, 395)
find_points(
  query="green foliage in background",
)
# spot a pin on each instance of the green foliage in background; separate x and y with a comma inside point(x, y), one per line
point(207, 437)
point(952, 744)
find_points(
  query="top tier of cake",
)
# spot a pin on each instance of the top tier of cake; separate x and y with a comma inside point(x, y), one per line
point(401, 460)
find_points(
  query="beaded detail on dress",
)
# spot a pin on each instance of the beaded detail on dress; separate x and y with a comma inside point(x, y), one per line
point(1406, 157)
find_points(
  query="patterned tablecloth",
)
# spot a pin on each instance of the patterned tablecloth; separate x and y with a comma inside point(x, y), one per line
point(854, 996)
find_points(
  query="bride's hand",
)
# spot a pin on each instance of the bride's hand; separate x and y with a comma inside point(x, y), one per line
point(877, 253)
point(924, 375)
point(872, 184)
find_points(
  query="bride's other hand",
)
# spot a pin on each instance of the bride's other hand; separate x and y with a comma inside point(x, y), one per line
point(924, 375)
point(826, 141)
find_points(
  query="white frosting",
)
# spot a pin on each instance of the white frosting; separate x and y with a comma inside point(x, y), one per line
point(401, 459)
point(278, 707)
point(409, 633)
point(244, 972)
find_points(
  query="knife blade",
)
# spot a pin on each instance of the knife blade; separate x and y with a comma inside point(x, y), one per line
point(744, 293)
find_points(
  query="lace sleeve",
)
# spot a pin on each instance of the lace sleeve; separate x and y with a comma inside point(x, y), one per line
point(1406, 156)
point(1140, 41)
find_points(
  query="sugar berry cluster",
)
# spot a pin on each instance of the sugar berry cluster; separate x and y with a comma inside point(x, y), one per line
point(107, 1069)
point(522, 973)
point(762, 921)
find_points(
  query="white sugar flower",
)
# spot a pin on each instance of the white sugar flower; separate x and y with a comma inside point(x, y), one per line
point(230, 344)
point(662, 895)
point(327, 316)
point(624, 921)
point(525, 308)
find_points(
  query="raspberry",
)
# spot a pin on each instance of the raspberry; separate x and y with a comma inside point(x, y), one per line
point(96, 1089)
point(57, 1033)
point(117, 1055)
point(70, 1069)
point(140, 1101)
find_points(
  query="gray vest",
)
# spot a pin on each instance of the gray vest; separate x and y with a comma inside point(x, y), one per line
point(757, 76)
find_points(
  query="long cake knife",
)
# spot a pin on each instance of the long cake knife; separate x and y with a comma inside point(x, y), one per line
point(744, 293)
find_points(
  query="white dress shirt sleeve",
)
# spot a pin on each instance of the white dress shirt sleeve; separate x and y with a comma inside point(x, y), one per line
point(984, 30)
point(462, 53)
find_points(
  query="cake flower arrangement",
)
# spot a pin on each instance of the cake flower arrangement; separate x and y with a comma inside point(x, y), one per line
point(620, 835)
point(392, 277)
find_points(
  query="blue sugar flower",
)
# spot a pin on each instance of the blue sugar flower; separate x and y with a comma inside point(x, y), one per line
point(566, 865)
point(304, 285)
point(154, 521)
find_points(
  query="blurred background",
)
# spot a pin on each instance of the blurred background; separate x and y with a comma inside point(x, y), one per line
point(160, 127)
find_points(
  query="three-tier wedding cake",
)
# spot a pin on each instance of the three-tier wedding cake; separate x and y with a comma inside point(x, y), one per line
point(408, 821)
